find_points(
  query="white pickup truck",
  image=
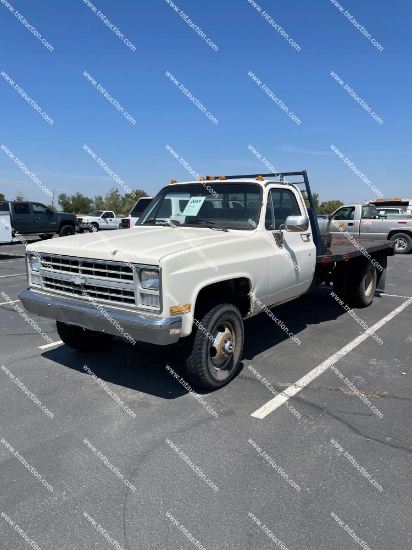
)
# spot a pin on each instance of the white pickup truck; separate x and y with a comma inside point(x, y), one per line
point(98, 220)
point(196, 275)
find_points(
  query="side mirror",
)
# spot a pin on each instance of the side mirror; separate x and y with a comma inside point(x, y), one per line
point(330, 217)
point(297, 223)
point(49, 212)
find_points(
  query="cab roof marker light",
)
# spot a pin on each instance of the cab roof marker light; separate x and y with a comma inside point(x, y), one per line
point(173, 181)
point(202, 178)
point(260, 178)
point(222, 177)
point(211, 178)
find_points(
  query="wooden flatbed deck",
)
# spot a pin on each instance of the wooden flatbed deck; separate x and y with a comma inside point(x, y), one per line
point(341, 249)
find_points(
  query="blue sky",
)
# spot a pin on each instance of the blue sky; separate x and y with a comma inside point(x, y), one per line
point(219, 79)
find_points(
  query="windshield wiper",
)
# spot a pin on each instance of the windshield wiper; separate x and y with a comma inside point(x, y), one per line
point(207, 222)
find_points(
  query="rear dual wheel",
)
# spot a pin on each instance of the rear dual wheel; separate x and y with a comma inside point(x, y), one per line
point(356, 285)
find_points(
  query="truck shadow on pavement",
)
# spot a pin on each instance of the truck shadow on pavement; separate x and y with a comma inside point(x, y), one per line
point(143, 367)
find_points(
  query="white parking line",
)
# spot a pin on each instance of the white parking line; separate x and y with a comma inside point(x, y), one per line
point(13, 275)
point(302, 382)
point(9, 302)
point(394, 295)
point(51, 345)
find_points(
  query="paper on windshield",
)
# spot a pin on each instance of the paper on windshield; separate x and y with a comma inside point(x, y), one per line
point(193, 206)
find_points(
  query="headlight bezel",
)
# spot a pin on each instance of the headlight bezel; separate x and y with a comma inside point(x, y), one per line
point(150, 279)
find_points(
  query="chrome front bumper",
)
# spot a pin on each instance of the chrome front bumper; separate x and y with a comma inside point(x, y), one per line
point(143, 327)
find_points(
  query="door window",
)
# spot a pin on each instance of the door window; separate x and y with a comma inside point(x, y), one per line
point(284, 204)
point(345, 213)
point(39, 208)
point(21, 208)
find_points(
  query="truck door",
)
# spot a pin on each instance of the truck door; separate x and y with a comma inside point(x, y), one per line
point(292, 265)
point(345, 221)
point(43, 218)
point(23, 218)
point(109, 221)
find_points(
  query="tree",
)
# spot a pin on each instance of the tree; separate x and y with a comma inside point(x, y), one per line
point(98, 202)
point(65, 202)
point(20, 196)
point(114, 200)
point(52, 207)
point(2, 197)
point(81, 204)
point(76, 203)
point(329, 206)
point(315, 197)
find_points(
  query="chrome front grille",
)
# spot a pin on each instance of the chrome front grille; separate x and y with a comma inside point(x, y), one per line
point(108, 282)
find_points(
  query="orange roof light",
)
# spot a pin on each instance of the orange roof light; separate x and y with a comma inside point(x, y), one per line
point(173, 181)
point(260, 178)
point(212, 178)
point(222, 177)
point(202, 178)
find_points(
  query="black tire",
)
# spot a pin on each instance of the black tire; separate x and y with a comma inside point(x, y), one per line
point(82, 339)
point(213, 363)
point(402, 243)
point(94, 227)
point(46, 236)
point(66, 231)
point(360, 287)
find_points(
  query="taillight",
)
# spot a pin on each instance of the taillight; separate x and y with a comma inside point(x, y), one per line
point(128, 223)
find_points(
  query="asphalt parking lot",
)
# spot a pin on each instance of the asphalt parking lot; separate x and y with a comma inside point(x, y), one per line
point(314, 473)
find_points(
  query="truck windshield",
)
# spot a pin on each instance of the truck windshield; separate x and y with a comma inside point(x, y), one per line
point(96, 213)
point(221, 205)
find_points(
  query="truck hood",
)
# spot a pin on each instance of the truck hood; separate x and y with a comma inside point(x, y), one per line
point(143, 245)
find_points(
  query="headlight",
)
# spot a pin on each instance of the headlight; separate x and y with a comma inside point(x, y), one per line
point(149, 279)
point(34, 263)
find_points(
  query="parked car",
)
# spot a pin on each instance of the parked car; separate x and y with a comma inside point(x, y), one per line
point(35, 218)
point(363, 222)
point(136, 212)
point(99, 220)
point(195, 276)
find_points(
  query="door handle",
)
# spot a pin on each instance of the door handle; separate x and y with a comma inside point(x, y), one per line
point(36, 218)
point(18, 218)
point(351, 223)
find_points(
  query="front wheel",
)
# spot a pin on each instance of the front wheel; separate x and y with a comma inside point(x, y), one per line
point(217, 347)
point(66, 230)
point(82, 339)
point(402, 243)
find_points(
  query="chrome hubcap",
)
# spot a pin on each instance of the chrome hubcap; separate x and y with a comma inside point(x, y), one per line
point(222, 346)
point(400, 244)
